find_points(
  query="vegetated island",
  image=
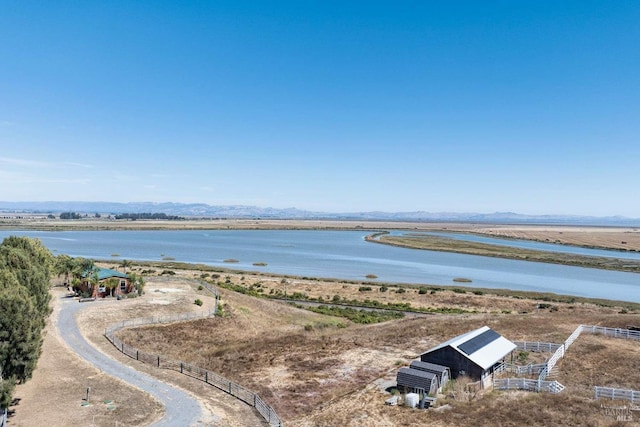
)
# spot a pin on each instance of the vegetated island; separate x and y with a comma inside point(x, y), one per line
point(444, 244)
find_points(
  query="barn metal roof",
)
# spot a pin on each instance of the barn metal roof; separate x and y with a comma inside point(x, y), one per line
point(483, 346)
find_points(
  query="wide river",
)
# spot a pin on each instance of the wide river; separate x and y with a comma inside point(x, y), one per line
point(336, 254)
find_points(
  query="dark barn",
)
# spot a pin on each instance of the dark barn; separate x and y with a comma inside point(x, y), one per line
point(475, 354)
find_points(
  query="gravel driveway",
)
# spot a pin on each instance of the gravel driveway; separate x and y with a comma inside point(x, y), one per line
point(181, 409)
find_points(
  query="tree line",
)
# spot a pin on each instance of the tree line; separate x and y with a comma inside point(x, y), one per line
point(25, 274)
point(147, 215)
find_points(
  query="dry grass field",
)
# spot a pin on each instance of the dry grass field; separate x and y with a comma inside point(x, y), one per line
point(622, 238)
point(316, 373)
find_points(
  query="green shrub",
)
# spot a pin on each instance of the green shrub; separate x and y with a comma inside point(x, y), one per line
point(364, 288)
point(198, 302)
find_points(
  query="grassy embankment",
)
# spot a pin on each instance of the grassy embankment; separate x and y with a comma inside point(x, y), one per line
point(366, 293)
point(443, 244)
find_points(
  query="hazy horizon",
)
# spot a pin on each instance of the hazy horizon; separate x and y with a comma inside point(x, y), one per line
point(526, 107)
point(178, 208)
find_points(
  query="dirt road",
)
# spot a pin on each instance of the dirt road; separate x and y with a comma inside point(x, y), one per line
point(180, 408)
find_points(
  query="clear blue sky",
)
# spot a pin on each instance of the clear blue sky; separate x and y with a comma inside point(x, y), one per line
point(457, 106)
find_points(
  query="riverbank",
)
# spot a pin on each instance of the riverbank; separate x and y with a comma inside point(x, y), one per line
point(359, 293)
point(620, 238)
point(443, 244)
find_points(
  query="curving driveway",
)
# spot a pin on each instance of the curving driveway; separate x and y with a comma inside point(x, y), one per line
point(181, 409)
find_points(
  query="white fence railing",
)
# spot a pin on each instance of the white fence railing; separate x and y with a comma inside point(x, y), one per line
point(527, 384)
point(530, 369)
point(616, 393)
point(574, 336)
point(612, 332)
point(560, 349)
point(537, 346)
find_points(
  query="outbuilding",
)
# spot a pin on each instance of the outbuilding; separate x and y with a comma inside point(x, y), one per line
point(414, 380)
point(476, 354)
point(442, 372)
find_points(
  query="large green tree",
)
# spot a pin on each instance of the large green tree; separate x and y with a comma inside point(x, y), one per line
point(25, 272)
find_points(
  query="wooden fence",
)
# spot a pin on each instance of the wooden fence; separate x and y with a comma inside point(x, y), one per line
point(616, 393)
point(208, 377)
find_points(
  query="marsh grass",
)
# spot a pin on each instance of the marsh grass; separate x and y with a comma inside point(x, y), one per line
point(436, 243)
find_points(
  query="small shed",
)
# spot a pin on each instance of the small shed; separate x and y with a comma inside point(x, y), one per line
point(476, 353)
point(442, 372)
point(415, 380)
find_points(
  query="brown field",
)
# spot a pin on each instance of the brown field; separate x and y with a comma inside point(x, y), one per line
point(317, 373)
point(622, 238)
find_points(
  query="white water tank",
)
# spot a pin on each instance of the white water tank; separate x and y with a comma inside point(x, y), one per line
point(411, 400)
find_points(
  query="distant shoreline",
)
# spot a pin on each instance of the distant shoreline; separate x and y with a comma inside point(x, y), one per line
point(444, 244)
point(594, 237)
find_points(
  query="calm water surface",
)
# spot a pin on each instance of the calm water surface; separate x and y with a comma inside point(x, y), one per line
point(336, 254)
point(540, 246)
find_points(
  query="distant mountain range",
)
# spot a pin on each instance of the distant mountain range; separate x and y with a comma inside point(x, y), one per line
point(202, 210)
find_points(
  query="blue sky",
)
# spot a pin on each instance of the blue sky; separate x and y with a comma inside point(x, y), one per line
point(461, 106)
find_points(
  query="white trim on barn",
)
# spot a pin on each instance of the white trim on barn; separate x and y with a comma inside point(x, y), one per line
point(475, 353)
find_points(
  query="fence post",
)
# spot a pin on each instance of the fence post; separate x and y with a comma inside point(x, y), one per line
point(180, 367)
point(230, 388)
point(158, 361)
point(206, 377)
point(137, 358)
